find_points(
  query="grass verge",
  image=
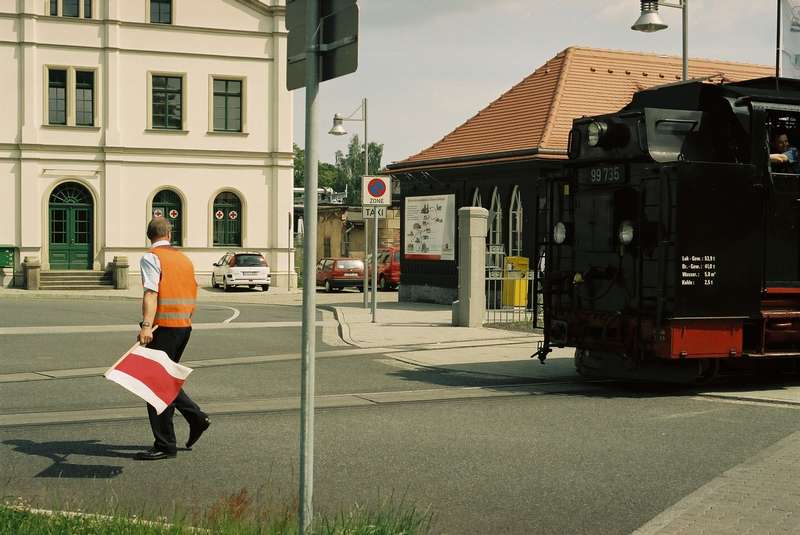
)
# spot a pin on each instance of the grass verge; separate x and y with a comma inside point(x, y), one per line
point(231, 516)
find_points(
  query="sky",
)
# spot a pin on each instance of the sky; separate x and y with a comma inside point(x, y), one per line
point(426, 66)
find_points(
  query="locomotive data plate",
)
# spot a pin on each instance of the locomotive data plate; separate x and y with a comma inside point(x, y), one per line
point(600, 175)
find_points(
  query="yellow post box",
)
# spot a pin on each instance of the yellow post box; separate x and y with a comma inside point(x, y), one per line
point(515, 281)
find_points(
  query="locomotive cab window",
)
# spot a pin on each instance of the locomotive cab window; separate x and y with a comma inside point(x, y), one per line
point(784, 136)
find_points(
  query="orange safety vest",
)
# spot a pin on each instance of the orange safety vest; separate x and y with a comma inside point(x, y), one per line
point(177, 290)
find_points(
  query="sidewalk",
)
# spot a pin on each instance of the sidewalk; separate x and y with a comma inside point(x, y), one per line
point(421, 334)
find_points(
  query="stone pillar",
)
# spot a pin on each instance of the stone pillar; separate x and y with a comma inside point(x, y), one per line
point(32, 268)
point(469, 310)
point(121, 272)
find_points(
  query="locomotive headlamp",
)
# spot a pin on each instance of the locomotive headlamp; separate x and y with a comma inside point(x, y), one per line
point(595, 132)
point(560, 233)
point(626, 232)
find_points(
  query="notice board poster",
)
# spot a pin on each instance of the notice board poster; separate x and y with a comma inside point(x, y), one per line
point(430, 227)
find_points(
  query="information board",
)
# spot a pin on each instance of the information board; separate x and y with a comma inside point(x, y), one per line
point(430, 227)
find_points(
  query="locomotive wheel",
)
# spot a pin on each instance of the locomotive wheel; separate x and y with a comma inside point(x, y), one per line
point(708, 369)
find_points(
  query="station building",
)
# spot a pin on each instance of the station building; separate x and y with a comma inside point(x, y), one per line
point(495, 159)
point(116, 110)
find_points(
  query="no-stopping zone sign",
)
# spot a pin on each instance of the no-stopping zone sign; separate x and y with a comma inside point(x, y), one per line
point(376, 191)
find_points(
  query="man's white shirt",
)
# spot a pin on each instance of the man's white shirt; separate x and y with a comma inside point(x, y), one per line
point(150, 267)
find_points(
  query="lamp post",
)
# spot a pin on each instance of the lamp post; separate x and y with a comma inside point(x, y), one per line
point(650, 21)
point(338, 130)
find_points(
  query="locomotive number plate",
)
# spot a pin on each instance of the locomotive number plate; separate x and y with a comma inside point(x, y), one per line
point(602, 174)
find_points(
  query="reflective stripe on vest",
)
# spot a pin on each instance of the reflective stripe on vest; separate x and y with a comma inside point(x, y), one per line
point(177, 289)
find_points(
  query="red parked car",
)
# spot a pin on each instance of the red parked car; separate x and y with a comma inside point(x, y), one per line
point(338, 273)
point(388, 268)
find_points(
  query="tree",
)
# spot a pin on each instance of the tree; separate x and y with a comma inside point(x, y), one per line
point(346, 173)
point(351, 167)
point(299, 166)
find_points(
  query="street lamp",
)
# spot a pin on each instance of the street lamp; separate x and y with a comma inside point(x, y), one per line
point(338, 130)
point(650, 21)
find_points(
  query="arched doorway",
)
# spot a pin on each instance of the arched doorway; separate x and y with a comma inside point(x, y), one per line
point(70, 232)
point(167, 204)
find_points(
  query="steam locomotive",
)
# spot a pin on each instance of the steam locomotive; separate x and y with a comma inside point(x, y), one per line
point(675, 239)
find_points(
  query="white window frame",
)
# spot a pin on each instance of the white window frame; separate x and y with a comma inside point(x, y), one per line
point(243, 79)
point(476, 198)
point(81, 10)
point(515, 219)
point(184, 101)
point(71, 101)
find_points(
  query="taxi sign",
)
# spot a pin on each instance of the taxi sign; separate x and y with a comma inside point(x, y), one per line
point(376, 191)
point(370, 212)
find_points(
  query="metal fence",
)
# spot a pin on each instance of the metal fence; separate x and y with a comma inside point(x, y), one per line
point(511, 297)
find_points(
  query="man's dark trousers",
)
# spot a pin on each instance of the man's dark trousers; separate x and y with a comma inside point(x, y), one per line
point(172, 341)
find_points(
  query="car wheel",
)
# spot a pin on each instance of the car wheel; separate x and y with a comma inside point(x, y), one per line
point(213, 281)
point(251, 286)
point(328, 287)
point(361, 289)
point(265, 287)
point(225, 287)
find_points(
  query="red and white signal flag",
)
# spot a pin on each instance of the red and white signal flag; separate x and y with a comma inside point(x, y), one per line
point(150, 374)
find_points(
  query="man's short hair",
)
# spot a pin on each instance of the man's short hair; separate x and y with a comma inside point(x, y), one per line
point(158, 227)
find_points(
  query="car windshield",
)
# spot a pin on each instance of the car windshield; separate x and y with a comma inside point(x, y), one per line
point(249, 260)
point(350, 264)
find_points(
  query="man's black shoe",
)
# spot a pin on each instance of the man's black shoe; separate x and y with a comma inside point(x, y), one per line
point(196, 430)
point(153, 455)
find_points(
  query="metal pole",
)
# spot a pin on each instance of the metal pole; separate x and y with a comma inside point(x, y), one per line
point(366, 223)
point(290, 256)
point(309, 266)
point(685, 4)
point(778, 43)
point(375, 265)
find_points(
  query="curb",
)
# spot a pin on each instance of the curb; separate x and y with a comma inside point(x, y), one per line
point(344, 327)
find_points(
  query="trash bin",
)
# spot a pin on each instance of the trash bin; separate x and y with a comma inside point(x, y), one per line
point(515, 281)
point(8, 260)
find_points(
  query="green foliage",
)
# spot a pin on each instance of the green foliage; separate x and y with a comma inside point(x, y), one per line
point(346, 173)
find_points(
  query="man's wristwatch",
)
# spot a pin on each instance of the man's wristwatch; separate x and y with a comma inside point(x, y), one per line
point(144, 324)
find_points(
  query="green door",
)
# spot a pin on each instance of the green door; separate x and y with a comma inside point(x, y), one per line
point(70, 227)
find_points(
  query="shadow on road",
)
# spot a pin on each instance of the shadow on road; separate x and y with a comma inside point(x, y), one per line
point(60, 451)
point(495, 374)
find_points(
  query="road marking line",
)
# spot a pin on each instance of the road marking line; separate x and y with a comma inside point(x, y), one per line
point(83, 329)
point(223, 307)
point(334, 401)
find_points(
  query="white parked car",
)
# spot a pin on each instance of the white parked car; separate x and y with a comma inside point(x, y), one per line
point(241, 269)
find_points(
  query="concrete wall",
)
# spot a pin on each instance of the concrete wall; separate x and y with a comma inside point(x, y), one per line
point(121, 160)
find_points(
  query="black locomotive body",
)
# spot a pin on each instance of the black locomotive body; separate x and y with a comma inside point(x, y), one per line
point(675, 241)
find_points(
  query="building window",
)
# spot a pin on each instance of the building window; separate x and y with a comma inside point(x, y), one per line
point(515, 224)
point(167, 102)
point(161, 11)
point(496, 251)
point(476, 198)
point(326, 246)
point(168, 204)
point(227, 105)
point(227, 214)
point(84, 98)
point(70, 8)
point(57, 96)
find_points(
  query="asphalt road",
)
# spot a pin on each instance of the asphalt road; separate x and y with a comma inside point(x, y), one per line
point(593, 458)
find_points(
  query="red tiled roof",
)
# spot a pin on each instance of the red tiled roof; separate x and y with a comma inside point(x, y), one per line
point(537, 113)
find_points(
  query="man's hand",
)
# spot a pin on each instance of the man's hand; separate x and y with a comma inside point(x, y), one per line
point(778, 158)
point(145, 335)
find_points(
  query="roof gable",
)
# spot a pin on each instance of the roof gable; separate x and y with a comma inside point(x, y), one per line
point(536, 114)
